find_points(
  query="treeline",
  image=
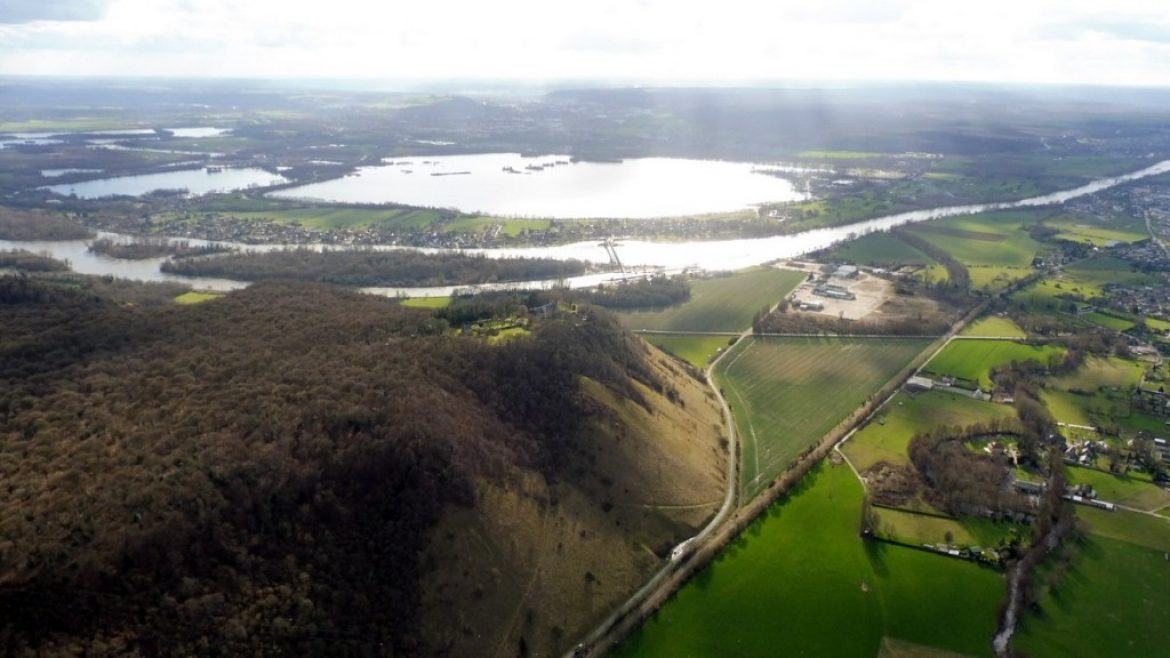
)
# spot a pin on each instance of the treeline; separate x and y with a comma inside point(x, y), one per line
point(27, 261)
point(141, 248)
point(17, 224)
point(256, 476)
point(658, 291)
point(400, 267)
point(787, 321)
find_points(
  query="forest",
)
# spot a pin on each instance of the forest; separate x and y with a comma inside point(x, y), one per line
point(255, 475)
point(18, 224)
point(374, 268)
point(142, 248)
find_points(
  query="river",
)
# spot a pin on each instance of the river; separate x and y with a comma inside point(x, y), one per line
point(669, 256)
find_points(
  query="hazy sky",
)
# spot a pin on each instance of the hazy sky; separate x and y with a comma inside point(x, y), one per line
point(1109, 42)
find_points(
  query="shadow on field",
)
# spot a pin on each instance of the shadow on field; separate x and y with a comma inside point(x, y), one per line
point(876, 552)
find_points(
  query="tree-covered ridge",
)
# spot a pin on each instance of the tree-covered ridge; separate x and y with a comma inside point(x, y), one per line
point(400, 267)
point(255, 475)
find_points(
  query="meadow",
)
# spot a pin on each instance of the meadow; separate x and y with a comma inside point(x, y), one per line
point(1131, 492)
point(995, 247)
point(426, 302)
point(194, 297)
point(879, 248)
point(917, 528)
point(1082, 280)
point(1094, 231)
point(1113, 600)
point(994, 327)
point(887, 435)
point(786, 393)
point(799, 581)
point(326, 217)
point(971, 361)
point(722, 303)
point(695, 349)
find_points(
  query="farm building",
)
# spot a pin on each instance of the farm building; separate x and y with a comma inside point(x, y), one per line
point(833, 292)
point(845, 272)
point(809, 305)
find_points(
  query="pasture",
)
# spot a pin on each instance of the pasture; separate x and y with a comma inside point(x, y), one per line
point(799, 581)
point(917, 528)
point(1082, 280)
point(327, 217)
point(786, 393)
point(194, 297)
point(994, 327)
point(721, 303)
point(697, 350)
point(886, 437)
point(987, 239)
point(1131, 492)
point(1113, 600)
point(971, 361)
point(879, 248)
point(1095, 231)
point(426, 302)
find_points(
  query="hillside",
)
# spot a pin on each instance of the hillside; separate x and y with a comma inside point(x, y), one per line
point(294, 469)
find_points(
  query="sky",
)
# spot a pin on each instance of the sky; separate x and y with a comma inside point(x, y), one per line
point(1114, 42)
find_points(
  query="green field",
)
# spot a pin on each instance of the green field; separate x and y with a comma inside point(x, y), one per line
point(916, 528)
point(879, 248)
point(1091, 230)
point(1097, 372)
point(1082, 280)
point(1108, 321)
point(326, 217)
point(194, 297)
point(427, 302)
point(1097, 393)
point(725, 303)
point(508, 227)
point(786, 393)
point(697, 350)
point(997, 238)
point(1114, 599)
point(1130, 492)
point(800, 582)
point(994, 327)
point(972, 360)
point(887, 436)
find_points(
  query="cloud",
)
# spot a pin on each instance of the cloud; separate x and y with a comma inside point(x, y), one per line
point(28, 11)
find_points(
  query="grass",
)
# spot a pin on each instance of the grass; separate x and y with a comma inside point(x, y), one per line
point(1113, 600)
point(509, 227)
point(987, 239)
point(800, 582)
point(972, 360)
point(1138, 494)
point(427, 302)
point(194, 297)
point(786, 393)
point(1097, 372)
point(887, 436)
point(1083, 280)
point(326, 217)
point(724, 303)
point(1099, 233)
point(1108, 321)
point(916, 528)
point(994, 327)
point(696, 350)
point(878, 249)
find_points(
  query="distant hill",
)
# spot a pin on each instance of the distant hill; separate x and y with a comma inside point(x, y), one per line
point(294, 469)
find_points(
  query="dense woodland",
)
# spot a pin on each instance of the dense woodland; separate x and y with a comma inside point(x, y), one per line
point(651, 292)
point(255, 475)
point(27, 261)
point(152, 248)
point(17, 224)
point(374, 268)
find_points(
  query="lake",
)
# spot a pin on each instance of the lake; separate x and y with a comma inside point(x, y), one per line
point(195, 181)
point(669, 256)
point(509, 185)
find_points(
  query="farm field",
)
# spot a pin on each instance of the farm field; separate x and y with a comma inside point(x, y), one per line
point(916, 528)
point(725, 303)
point(508, 227)
point(996, 239)
point(1097, 393)
point(1082, 280)
point(1108, 321)
point(1092, 230)
point(1113, 600)
point(1139, 494)
point(994, 327)
point(1097, 372)
point(427, 302)
point(786, 393)
point(879, 248)
point(194, 297)
point(800, 572)
point(332, 218)
point(887, 436)
point(696, 350)
point(972, 360)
